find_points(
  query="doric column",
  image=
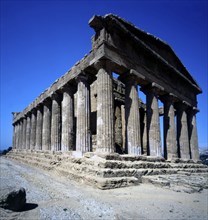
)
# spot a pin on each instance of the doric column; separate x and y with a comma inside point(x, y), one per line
point(20, 134)
point(46, 132)
point(153, 121)
point(24, 133)
point(118, 128)
point(56, 123)
point(133, 139)
point(83, 114)
point(13, 137)
point(33, 129)
point(28, 128)
point(170, 144)
point(182, 131)
point(105, 109)
point(144, 134)
point(193, 136)
point(39, 128)
point(67, 137)
point(123, 128)
point(17, 136)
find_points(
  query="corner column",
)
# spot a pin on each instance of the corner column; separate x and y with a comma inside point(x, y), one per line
point(193, 136)
point(105, 109)
point(67, 135)
point(39, 128)
point(182, 131)
point(170, 143)
point(83, 133)
point(153, 121)
point(46, 132)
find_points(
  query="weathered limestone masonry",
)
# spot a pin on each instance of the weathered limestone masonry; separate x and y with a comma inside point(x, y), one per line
point(87, 110)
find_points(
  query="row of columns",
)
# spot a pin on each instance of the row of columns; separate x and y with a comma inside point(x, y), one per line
point(51, 127)
point(45, 128)
point(179, 142)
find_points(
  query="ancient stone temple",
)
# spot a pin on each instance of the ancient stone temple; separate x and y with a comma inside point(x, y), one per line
point(87, 113)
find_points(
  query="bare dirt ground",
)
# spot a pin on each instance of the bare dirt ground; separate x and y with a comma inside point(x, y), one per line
point(54, 197)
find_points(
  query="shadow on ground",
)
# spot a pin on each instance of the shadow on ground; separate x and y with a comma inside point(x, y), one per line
point(28, 207)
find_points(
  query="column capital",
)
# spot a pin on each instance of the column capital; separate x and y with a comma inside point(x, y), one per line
point(34, 110)
point(105, 64)
point(39, 107)
point(82, 77)
point(152, 88)
point(28, 114)
point(56, 96)
point(20, 120)
point(47, 102)
point(182, 105)
point(169, 97)
point(24, 117)
point(132, 76)
point(193, 110)
point(67, 88)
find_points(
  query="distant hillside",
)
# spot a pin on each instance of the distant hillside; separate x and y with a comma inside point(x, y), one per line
point(204, 156)
point(3, 152)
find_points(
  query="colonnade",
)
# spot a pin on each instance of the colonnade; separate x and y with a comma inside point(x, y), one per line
point(51, 124)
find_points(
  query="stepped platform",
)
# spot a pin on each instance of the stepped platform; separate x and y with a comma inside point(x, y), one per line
point(107, 171)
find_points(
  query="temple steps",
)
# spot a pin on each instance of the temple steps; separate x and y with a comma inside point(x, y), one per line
point(108, 171)
point(98, 181)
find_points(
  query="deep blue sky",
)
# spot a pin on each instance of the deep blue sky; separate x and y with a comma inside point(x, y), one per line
point(41, 40)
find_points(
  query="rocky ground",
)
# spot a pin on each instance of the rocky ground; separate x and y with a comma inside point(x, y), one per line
point(54, 197)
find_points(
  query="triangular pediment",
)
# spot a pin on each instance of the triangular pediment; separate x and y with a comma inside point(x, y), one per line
point(152, 43)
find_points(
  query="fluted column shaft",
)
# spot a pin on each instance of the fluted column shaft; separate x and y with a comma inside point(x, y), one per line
point(17, 136)
point(46, 132)
point(133, 139)
point(83, 115)
point(193, 136)
point(153, 122)
point(14, 137)
point(33, 130)
point(170, 144)
point(28, 132)
point(39, 128)
point(20, 134)
point(67, 137)
point(105, 111)
point(24, 133)
point(16, 128)
point(182, 131)
point(56, 123)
